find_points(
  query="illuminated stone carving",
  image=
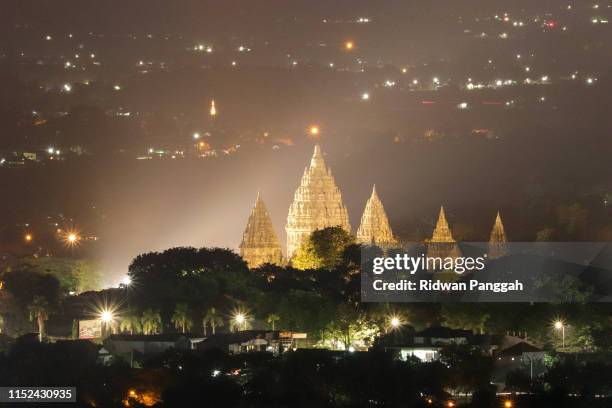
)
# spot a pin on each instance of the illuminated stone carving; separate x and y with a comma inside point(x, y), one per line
point(259, 242)
point(317, 204)
point(374, 228)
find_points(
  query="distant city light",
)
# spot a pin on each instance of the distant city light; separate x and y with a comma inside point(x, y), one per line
point(196, 136)
point(463, 105)
point(436, 80)
point(365, 96)
point(117, 88)
point(48, 38)
point(67, 87)
point(28, 238)
point(127, 281)
point(213, 108)
point(415, 82)
point(314, 130)
point(349, 45)
point(71, 238)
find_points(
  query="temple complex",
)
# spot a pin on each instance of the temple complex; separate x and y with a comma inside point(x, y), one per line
point(317, 204)
point(374, 228)
point(259, 242)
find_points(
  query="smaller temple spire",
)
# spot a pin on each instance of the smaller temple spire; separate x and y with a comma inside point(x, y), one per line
point(442, 244)
point(259, 242)
point(374, 227)
point(213, 109)
point(497, 233)
point(442, 232)
point(497, 240)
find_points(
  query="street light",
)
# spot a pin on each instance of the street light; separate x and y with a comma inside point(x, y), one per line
point(508, 404)
point(395, 322)
point(71, 238)
point(240, 319)
point(106, 316)
point(349, 45)
point(560, 325)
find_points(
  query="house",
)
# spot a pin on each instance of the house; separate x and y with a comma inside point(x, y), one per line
point(520, 356)
point(126, 345)
point(427, 344)
point(248, 341)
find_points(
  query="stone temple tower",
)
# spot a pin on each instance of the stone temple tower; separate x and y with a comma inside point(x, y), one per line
point(497, 240)
point(442, 232)
point(442, 244)
point(374, 228)
point(259, 242)
point(317, 204)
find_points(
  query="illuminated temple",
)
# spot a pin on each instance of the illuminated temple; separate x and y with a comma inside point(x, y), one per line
point(374, 228)
point(497, 240)
point(317, 204)
point(442, 244)
point(259, 242)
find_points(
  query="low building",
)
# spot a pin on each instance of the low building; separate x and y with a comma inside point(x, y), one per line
point(126, 345)
point(247, 341)
point(427, 344)
point(520, 356)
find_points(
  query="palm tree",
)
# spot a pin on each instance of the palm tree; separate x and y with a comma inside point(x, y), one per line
point(181, 318)
point(272, 319)
point(213, 318)
point(38, 310)
point(130, 323)
point(151, 321)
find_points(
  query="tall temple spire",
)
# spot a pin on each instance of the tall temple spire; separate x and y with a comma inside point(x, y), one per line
point(374, 227)
point(442, 232)
point(259, 242)
point(497, 240)
point(317, 204)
